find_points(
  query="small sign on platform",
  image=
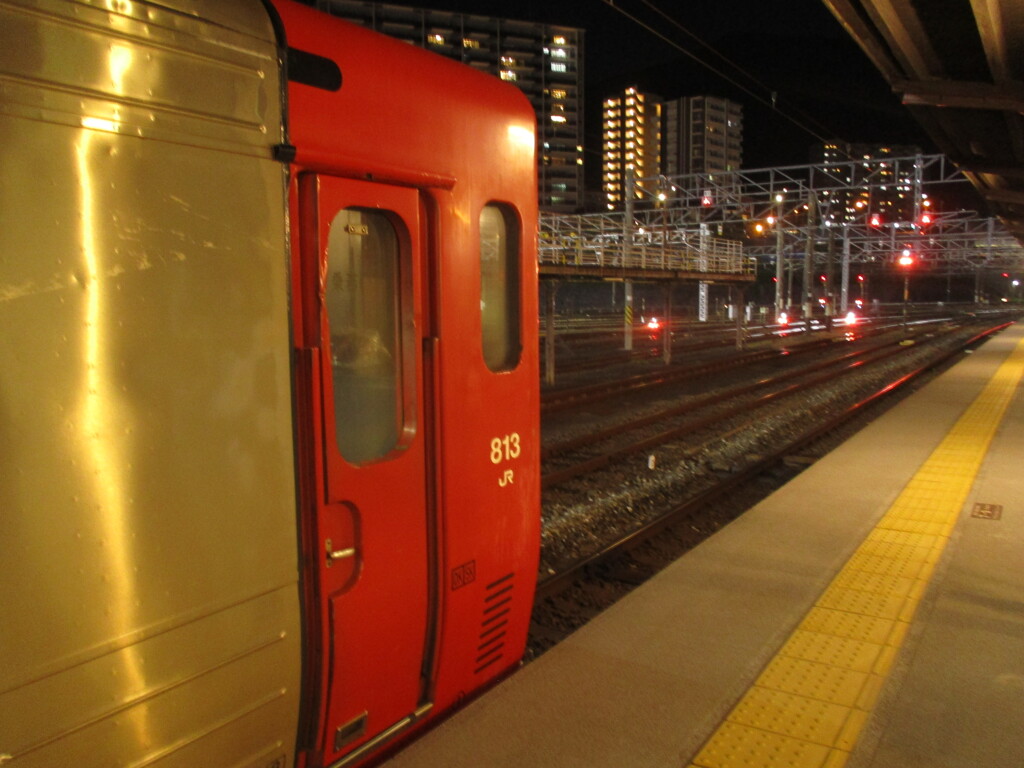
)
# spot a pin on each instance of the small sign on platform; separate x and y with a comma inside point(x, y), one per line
point(987, 511)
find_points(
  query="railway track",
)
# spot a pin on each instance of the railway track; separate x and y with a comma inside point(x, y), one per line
point(576, 397)
point(577, 359)
point(580, 353)
point(706, 413)
point(569, 584)
point(568, 398)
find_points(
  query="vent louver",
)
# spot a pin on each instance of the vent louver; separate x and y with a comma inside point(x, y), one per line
point(493, 628)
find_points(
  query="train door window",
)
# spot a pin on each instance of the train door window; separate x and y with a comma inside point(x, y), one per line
point(363, 299)
point(499, 286)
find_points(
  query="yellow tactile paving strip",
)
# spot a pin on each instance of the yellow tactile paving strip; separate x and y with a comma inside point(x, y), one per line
point(807, 708)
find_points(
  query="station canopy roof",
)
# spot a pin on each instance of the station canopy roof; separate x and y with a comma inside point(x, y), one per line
point(959, 66)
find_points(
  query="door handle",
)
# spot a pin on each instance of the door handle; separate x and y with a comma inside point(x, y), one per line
point(337, 554)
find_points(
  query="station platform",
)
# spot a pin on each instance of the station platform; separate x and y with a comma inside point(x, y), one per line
point(870, 613)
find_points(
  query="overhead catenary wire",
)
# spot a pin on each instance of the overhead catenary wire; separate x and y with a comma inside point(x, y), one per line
point(773, 92)
point(769, 102)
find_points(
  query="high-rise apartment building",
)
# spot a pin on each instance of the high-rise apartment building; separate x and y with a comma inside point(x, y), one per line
point(695, 134)
point(631, 129)
point(703, 134)
point(877, 182)
point(545, 62)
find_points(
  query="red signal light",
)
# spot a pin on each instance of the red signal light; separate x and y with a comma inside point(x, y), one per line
point(876, 220)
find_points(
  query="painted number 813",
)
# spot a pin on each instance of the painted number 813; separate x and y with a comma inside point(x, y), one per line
point(505, 448)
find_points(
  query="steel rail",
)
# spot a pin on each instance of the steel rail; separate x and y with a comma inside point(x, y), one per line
point(599, 435)
point(591, 393)
point(556, 583)
point(560, 476)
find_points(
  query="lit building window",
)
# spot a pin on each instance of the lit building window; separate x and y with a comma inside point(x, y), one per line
point(558, 118)
point(558, 53)
point(508, 74)
point(470, 43)
point(559, 40)
point(559, 66)
point(435, 39)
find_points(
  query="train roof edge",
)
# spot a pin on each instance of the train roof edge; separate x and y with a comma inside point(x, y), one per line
point(446, 106)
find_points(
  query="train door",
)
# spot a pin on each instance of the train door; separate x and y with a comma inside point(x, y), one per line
point(361, 248)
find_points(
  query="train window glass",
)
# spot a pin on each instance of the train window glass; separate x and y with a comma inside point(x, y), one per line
point(362, 294)
point(311, 69)
point(499, 286)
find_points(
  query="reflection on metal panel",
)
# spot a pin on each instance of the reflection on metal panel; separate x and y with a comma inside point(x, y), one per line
point(187, 682)
point(146, 72)
point(149, 566)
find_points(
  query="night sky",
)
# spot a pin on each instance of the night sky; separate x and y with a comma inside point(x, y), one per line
point(795, 48)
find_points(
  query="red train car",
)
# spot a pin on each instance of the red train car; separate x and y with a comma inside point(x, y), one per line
point(274, 392)
point(414, 278)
